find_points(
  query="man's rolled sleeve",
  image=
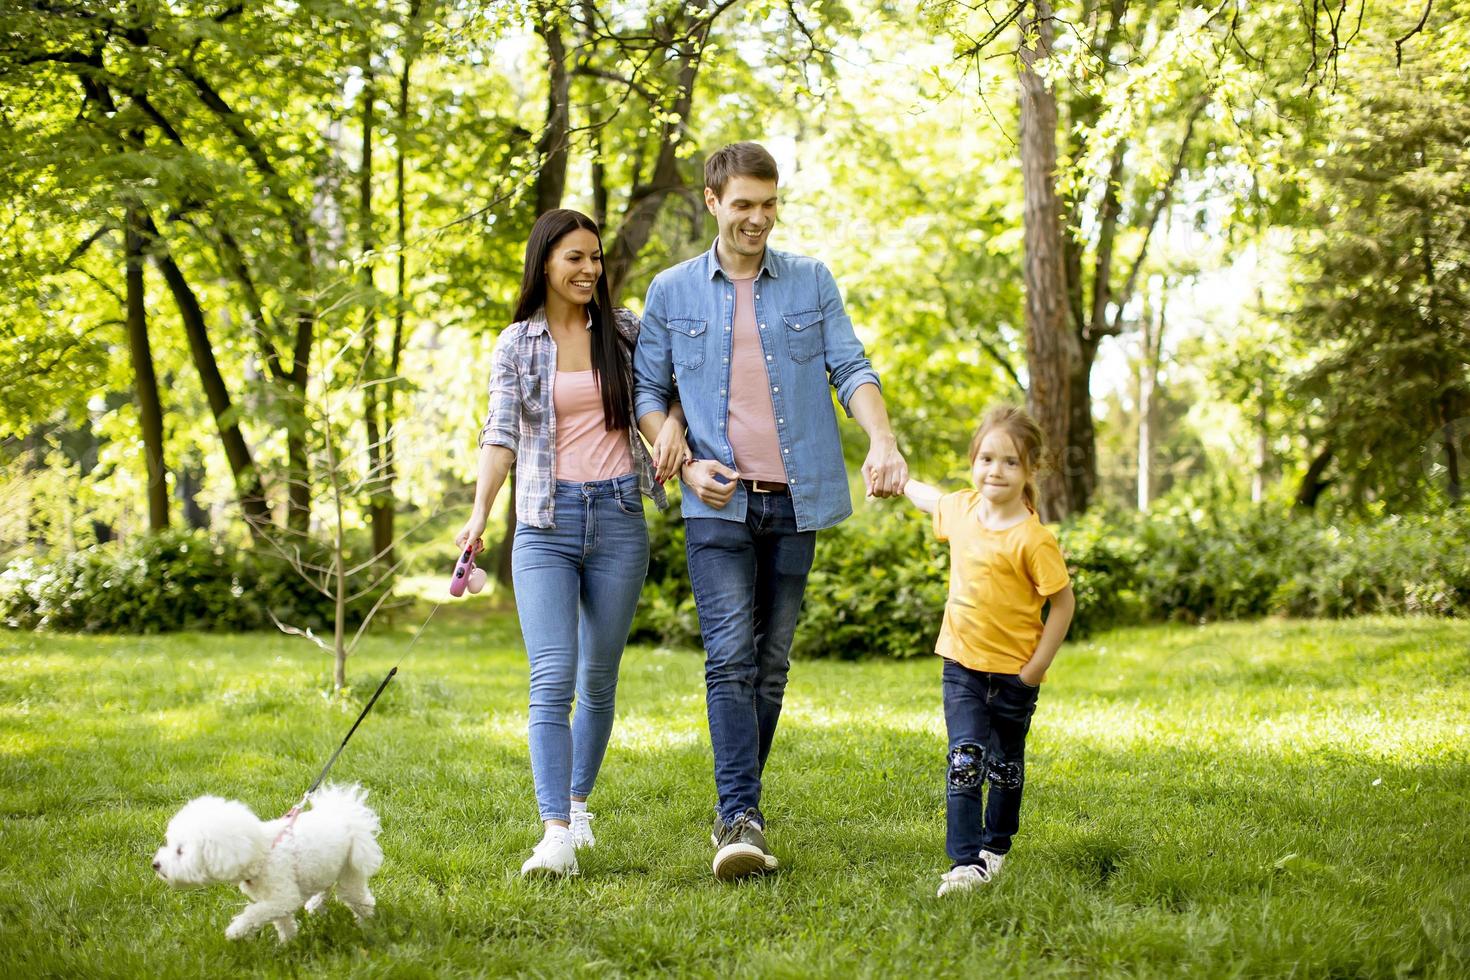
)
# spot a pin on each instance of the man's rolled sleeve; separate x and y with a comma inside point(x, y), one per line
point(503, 422)
point(653, 366)
point(848, 366)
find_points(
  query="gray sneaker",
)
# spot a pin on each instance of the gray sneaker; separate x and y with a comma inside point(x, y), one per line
point(741, 847)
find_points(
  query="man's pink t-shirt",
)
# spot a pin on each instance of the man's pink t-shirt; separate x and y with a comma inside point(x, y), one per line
point(752, 428)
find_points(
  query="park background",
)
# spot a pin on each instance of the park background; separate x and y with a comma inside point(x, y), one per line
point(257, 256)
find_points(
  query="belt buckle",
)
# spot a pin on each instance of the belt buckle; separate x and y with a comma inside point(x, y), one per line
point(756, 486)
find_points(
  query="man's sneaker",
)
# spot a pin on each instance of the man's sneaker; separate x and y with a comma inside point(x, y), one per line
point(554, 857)
point(742, 849)
point(993, 861)
point(581, 829)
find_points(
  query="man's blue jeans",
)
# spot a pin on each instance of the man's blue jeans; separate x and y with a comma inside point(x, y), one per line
point(748, 578)
point(577, 585)
point(987, 716)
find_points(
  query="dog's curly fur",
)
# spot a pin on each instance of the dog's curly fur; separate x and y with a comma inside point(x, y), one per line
point(279, 865)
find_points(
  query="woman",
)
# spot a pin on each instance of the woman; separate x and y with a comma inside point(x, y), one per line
point(561, 407)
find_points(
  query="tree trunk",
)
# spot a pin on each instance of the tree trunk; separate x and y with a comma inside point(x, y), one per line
point(508, 538)
point(1053, 355)
point(553, 148)
point(644, 202)
point(378, 485)
point(248, 487)
point(1453, 480)
point(1313, 482)
point(145, 382)
point(190, 483)
point(1148, 376)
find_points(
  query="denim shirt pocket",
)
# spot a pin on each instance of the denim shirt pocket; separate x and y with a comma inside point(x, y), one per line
point(804, 334)
point(686, 341)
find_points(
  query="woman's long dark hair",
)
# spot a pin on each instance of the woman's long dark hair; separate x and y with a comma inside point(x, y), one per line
point(611, 363)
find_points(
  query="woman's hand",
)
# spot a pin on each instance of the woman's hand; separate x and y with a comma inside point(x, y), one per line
point(471, 531)
point(669, 449)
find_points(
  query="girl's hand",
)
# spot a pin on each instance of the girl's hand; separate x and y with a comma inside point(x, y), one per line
point(1029, 677)
point(471, 531)
point(669, 450)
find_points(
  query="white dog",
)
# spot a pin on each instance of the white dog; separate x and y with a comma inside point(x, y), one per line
point(281, 864)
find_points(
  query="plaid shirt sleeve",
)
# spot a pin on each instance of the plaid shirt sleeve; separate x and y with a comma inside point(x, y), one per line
point(503, 422)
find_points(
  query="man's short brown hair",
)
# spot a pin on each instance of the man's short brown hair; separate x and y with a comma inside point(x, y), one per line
point(738, 160)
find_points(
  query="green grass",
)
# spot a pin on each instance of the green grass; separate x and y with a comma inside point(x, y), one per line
point(1240, 799)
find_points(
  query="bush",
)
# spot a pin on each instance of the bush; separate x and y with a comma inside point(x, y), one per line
point(879, 581)
point(158, 583)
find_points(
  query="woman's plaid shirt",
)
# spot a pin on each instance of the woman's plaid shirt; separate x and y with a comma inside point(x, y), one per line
point(521, 417)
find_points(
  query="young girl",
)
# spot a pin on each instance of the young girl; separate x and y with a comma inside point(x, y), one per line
point(1004, 564)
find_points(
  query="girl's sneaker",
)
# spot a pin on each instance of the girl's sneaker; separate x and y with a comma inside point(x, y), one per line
point(968, 876)
point(582, 829)
point(554, 857)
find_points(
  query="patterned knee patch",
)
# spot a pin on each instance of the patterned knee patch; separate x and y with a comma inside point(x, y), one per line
point(966, 766)
point(1005, 775)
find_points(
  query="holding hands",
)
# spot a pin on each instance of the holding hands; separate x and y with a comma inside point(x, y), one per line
point(884, 471)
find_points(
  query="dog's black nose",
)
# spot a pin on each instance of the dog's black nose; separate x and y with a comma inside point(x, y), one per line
point(156, 865)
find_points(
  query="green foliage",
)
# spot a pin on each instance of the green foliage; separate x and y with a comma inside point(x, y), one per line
point(879, 581)
point(877, 587)
point(160, 583)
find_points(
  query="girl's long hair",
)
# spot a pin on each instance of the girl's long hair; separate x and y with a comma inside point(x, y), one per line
point(611, 354)
point(1029, 440)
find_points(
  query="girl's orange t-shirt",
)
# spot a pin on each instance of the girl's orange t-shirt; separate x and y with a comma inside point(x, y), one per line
point(998, 582)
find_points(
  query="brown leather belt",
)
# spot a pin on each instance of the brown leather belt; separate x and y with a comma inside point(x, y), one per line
point(765, 486)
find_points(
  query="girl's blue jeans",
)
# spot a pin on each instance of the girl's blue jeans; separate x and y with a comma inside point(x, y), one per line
point(987, 716)
point(577, 585)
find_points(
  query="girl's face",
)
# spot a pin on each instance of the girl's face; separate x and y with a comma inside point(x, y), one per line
point(574, 266)
point(999, 472)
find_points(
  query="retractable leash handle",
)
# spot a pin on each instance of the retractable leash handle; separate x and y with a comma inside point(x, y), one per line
point(466, 575)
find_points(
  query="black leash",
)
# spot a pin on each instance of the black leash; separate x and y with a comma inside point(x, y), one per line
point(295, 810)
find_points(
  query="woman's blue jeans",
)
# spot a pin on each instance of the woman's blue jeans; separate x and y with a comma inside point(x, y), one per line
point(577, 585)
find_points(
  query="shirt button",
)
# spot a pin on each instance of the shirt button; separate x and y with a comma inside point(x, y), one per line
point(768, 357)
point(763, 326)
point(725, 360)
point(775, 387)
point(779, 421)
point(786, 451)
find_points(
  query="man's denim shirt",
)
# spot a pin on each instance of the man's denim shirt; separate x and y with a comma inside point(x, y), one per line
point(684, 351)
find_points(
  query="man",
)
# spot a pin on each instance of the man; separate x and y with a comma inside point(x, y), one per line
point(750, 338)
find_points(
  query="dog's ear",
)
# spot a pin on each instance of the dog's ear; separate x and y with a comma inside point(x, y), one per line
point(229, 840)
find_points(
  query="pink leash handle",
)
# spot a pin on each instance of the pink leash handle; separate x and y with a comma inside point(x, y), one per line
point(462, 569)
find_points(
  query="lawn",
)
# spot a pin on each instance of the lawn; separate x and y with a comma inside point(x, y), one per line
point(1236, 799)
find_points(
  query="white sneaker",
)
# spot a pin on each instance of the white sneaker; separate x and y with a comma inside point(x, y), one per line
point(582, 829)
point(968, 876)
point(962, 879)
point(553, 857)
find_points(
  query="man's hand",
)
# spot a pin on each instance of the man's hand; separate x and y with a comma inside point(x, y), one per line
point(669, 449)
point(700, 476)
point(884, 471)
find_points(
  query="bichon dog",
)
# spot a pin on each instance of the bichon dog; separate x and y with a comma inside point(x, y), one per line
point(281, 865)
